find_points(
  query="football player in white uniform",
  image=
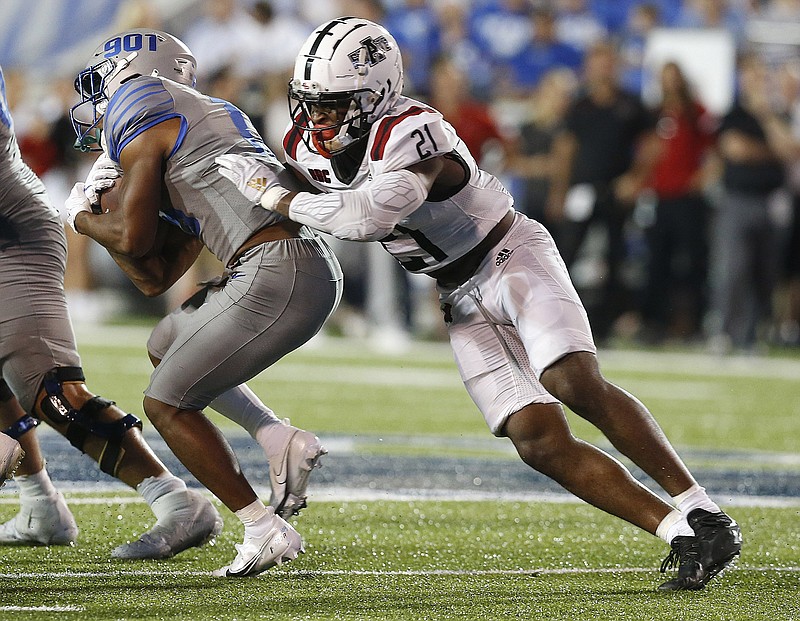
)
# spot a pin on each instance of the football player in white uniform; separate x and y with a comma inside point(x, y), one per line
point(378, 166)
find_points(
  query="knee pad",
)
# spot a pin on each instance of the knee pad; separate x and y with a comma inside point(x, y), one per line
point(84, 422)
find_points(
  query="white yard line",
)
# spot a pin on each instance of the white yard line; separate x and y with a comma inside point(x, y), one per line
point(40, 608)
point(543, 571)
point(347, 494)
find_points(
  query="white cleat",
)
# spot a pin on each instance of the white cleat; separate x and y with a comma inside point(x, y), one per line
point(11, 455)
point(265, 545)
point(45, 521)
point(189, 520)
point(290, 470)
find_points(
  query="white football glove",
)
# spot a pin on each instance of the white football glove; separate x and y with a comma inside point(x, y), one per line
point(76, 203)
point(252, 175)
point(103, 175)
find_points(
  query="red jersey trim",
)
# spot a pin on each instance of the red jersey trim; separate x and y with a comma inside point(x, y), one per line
point(385, 129)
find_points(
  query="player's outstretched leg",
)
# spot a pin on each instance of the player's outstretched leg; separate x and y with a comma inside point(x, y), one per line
point(203, 449)
point(185, 519)
point(98, 428)
point(292, 453)
point(11, 455)
point(268, 542)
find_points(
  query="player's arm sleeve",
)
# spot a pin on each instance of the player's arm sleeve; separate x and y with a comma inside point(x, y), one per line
point(405, 148)
point(137, 106)
point(369, 213)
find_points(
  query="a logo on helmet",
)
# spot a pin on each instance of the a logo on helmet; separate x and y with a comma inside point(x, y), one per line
point(371, 52)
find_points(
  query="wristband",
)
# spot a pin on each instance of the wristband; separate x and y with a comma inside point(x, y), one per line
point(272, 197)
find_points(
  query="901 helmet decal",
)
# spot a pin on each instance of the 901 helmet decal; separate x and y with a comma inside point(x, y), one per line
point(120, 58)
point(350, 68)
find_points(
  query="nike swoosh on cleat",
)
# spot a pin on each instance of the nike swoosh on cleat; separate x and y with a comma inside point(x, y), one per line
point(282, 471)
point(248, 569)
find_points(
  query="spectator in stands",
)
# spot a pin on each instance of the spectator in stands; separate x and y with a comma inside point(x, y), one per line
point(578, 25)
point(530, 158)
point(543, 53)
point(415, 26)
point(675, 291)
point(501, 29)
point(714, 14)
point(642, 20)
point(368, 9)
point(223, 36)
point(771, 31)
point(472, 119)
point(789, 318)
point(463, 50)
point(747, 248)
point(602, 158)
point(271, 63)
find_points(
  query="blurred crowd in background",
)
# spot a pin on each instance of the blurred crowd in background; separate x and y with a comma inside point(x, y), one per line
point(671, 182)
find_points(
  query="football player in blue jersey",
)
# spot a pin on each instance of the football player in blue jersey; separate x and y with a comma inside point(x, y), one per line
point(41, 379)
point(378, 166)
point(281, 283)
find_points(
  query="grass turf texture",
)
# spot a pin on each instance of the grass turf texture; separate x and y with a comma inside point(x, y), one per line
point(436, 559)
point(407, 561)
point(341, 387)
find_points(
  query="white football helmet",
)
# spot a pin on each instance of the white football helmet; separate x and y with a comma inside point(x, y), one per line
point(124, 56)
point(350, 64)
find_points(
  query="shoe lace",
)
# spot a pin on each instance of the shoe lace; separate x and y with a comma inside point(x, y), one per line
point(684, 550)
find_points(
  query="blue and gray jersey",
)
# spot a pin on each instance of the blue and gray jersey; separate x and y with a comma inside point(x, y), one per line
point(203, 202)
point(24, 204)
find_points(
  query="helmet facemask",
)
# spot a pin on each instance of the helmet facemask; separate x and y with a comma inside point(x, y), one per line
point(351, 109)
point(92, 85)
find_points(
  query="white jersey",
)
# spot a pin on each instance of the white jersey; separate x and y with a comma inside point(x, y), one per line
point(445, 226)
point(509, 305)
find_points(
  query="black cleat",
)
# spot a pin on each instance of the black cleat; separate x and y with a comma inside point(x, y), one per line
point(720, 540)
point(685, 555)
point(717, 541)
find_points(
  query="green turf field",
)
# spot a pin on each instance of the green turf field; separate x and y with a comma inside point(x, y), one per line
point(437, 559)
point(410, 561)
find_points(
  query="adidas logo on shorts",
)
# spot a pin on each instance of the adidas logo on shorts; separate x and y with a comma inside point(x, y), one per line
point(502, 256)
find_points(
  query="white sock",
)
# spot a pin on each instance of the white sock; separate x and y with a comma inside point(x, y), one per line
point(36, 485)
point(153, 488)
point(243, 407)
point(254, 513)
point(695, 498)
point(673, 525)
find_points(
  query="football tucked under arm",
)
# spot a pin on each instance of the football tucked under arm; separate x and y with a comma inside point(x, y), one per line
point(172, 253)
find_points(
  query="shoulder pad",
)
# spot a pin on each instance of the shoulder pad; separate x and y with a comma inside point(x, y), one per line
point(135, 107)
point(415, 134)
